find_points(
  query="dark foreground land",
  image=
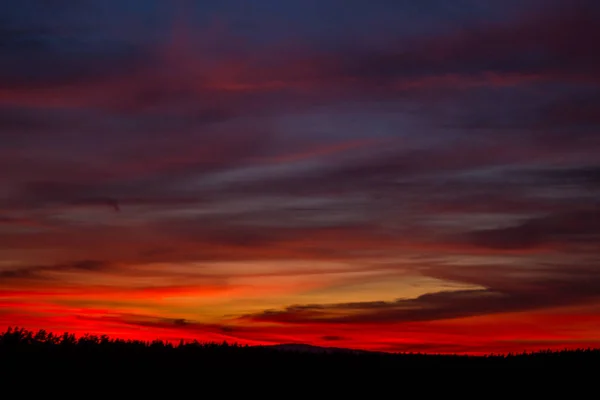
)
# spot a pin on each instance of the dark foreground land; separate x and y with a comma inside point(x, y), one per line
point(26, 357)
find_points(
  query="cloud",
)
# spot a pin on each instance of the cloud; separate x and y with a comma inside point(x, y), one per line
point(62, 193)
point(37, 272)
point(577, 110)
point(332, 338)
point(543, 293)
point(8, 220)
point(586, 176)
point(553, 42)
point(170, 328)
point(112, 203)
point(565, 228)
point(171, 77)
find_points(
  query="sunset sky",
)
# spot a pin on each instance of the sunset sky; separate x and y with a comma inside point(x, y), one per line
point(391, 175)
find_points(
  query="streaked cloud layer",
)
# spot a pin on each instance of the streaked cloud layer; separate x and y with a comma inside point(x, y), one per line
point(379, 175)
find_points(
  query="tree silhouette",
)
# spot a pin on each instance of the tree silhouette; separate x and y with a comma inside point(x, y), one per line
point(103, 360)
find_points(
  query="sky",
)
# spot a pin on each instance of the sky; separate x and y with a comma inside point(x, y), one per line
point(388, 175)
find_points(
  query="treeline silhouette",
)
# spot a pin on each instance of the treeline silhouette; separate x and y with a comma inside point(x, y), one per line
point(44, 364)
point(20, 346)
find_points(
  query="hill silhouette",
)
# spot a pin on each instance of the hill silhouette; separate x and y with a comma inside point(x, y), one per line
point(309, 348)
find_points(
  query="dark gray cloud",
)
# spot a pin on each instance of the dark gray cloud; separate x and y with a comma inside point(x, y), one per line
point(560, 229)
point(552, 42)
point(332, 338)
point(547, 289)
point(36, 272)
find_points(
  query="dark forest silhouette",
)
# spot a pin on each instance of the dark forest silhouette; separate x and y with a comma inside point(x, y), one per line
point(42, 348)
point(65, 366)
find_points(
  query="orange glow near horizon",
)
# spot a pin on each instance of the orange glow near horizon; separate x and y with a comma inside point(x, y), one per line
point(230, 310)
point(502, 334)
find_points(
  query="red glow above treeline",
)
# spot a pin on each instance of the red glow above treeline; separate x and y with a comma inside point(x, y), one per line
point(500, 334)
